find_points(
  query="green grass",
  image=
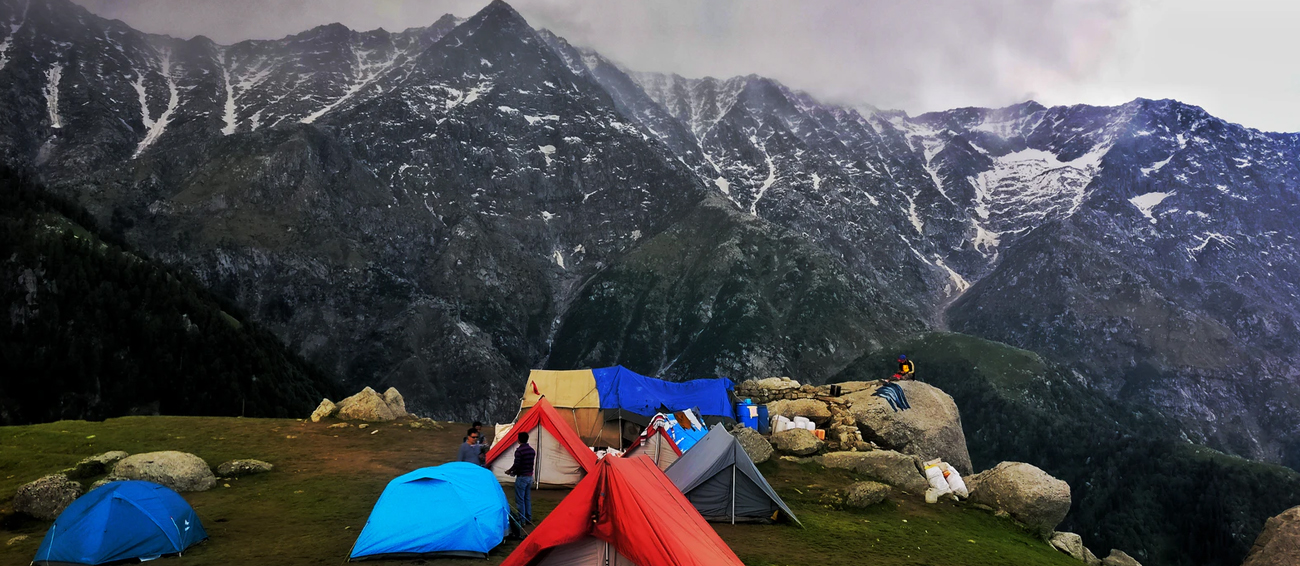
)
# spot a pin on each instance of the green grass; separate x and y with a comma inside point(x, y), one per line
point(311, 507)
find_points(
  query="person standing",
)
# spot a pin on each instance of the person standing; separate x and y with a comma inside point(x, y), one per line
point(469, 450)
point(477, 428)
point(522, 470)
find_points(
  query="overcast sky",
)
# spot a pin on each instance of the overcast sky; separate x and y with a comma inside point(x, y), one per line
point(1235, 58)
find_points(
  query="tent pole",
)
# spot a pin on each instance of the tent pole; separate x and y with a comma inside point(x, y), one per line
point(733, 493)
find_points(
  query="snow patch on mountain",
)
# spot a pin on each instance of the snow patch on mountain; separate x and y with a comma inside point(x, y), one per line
point(232, 120)
point(1148, 202)
point(14, 25)
point(52, 78)
point(157, 127)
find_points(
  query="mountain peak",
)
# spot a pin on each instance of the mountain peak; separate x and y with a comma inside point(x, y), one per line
point(500, 11)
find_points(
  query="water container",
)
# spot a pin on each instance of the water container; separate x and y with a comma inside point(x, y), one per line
point(764, 425)
point(747, 414)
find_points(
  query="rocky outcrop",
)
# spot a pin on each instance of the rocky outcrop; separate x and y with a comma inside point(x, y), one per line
point(812, 409)
point(757, 447)
point(96, 465)
point(105, 480)
point(1028, 494)
point(893, 468)
point(865, 494)
point(930, 429)
point(1120, 558)
point(45, 498)
point(1279, 543)
point(797, 442)
point(366, 406)
point(236, 468)
point(180, 471)
point(1072, 544)
point(326, 409)
point(395, 402)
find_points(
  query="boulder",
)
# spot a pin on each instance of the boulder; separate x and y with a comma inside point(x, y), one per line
point(108, 479)
point(45, 498)
point(180, 471)
point(865, 494)
point(1120, 558)
point(797, 442)
point(893, 468)
point(96, 465)
point(1072, 544)
point(365, 406)
point(811, 409)
point(757, 447)
point(930, 429)
point(236, 468)
point(774, 383)
point(326, 408)
point(1279, 542)
point(395, 402)
point(1028, 494)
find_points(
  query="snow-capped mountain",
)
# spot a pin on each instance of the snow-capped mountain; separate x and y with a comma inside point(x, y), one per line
point(444, 207)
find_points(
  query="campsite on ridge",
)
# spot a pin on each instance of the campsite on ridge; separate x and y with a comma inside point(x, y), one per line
point(205, 233)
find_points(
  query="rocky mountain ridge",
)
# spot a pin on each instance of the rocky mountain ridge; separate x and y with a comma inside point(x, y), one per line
point(441, 208)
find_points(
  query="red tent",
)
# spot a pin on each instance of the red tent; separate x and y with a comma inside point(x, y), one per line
point(625, 512)
point(562, 458)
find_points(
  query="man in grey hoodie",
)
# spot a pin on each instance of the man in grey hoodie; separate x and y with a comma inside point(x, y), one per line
point(469, 450)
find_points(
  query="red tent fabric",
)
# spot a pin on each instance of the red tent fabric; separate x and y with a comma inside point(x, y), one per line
point(630, 504)
point(544, 413)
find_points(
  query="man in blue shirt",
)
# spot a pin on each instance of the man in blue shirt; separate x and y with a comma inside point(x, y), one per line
point(469, 450)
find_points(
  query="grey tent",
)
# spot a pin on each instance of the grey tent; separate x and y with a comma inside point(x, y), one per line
point(719, 479)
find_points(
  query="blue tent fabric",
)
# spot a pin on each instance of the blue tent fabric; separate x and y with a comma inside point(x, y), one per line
point(121, 520)
point(681, 436)
point(622, 388)
point(454, 509)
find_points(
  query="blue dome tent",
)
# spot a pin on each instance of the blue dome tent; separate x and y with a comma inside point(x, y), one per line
point(455, 509)
point(122, 520)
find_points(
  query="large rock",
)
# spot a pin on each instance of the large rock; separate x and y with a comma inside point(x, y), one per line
point(326, 408)
point(236, 468)
point(1121, 558)
point(811, 409)
point(180, 471)
point(1072, 544)
point(395, 402)
point(774, 383)
point(365, 406)
point(45, 498)
point(865, 494)
point(1279, 542)
point(930, 429)
point(96, 465)
point(1029, 494)
point(797, 442)
point(893, 468)
point(757, 447)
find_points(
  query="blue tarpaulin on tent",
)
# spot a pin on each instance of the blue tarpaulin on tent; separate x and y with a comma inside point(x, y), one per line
point(622, 388)
point(122, 520)
point(454, 509)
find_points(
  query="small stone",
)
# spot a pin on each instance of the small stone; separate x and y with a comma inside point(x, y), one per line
point(340, 425)
point(757, 447)
point(178, 470)
point(797, 442)
point(18, 538)
point(326, 408)
point(236, 468)
point(865, 494)
point(363, 426)
point(45, 498)
point(95, 465)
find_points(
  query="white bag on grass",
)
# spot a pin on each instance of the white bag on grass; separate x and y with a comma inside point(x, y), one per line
point(954, 480)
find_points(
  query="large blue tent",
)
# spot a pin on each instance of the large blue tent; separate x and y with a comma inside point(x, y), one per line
point(455, 509)
point(622, 388)
point(122, 520)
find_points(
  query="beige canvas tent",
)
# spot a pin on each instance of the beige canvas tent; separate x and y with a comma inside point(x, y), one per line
point(562, 458)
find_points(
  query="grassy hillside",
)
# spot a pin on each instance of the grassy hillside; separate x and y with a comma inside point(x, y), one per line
point(311, 507)
point(1136, 484)
point(96, 330)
